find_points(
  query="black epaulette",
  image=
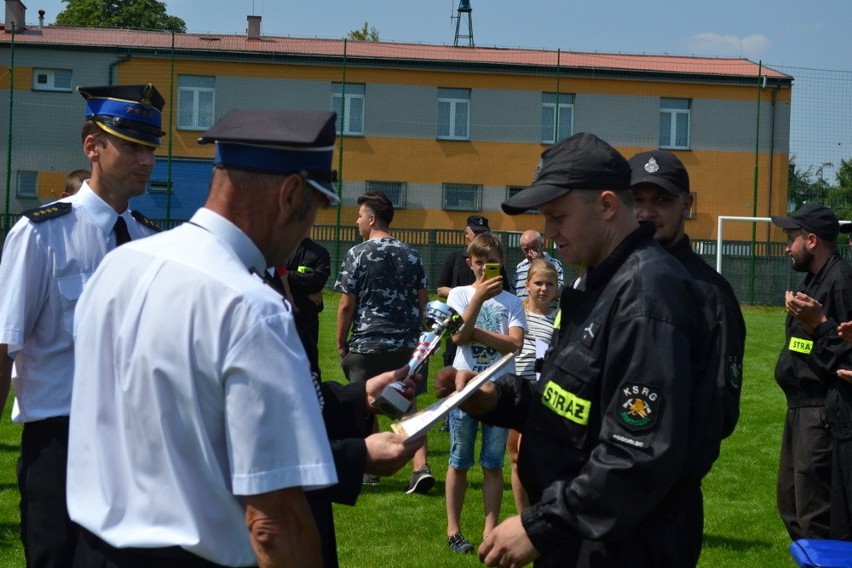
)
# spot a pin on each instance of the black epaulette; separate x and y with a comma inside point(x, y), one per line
point(143, 220)
point(50, 211)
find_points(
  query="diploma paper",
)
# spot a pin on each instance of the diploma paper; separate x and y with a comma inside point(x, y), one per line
point(416, 425)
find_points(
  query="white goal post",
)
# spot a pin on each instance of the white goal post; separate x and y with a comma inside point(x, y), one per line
point(720, 234)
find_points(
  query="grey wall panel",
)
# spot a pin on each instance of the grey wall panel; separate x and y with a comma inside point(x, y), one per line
point(423, 196)
point(730, 126)
point(492, 197)
point(620, 120)
point(400, 111)
point(87, 68)
point(231, 92)
point(505, 116)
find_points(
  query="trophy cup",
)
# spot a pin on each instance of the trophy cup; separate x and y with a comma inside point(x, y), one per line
point(440, 320)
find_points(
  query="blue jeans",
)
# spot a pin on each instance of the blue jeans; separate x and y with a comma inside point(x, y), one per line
point(463, 428)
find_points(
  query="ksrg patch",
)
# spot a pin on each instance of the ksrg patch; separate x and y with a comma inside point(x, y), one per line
point(639, 406)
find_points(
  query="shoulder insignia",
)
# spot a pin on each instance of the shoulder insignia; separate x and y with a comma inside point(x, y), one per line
point(143, 220)
point(639, 406)
point(49, 211)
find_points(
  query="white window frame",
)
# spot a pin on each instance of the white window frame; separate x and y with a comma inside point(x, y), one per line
point(471, 203)
point(56, 80)
point(395, 190)
point(27, 184)
point(675, 113)
point(194, 95)
point(455, 102)
point(565, 115)
point(353, 97)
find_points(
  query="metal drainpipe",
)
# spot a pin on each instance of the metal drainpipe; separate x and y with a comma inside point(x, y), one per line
point(772, 109)
point(121, 59)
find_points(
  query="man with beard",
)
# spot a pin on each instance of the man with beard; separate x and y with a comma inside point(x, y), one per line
point(803, 492)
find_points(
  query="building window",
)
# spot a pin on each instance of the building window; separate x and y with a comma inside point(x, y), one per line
point(557, 117)
point(395, 190)
point(462, 197)
point(674, 123)
point(453, 114)
point(52, 80)
point(27, 184)
point(348, 102)
point(196, 102)
point(159, 186)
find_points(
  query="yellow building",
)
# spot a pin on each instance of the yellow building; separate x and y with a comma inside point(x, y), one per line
point(444, 131)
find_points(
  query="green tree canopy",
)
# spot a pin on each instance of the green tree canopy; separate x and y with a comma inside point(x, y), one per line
point(366, 33)
point(139, 14)
point(811, 186)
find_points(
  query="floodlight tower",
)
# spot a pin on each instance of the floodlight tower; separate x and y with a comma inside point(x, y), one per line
point(464, 11)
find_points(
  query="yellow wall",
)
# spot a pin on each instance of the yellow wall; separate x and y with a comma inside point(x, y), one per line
point(429, 161)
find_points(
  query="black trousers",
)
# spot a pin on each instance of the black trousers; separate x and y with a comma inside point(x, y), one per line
point(841, 490)
point(803, 493)
point(48, 535)
point(92, 552)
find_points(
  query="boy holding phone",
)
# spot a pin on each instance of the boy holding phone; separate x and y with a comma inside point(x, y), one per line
point(494, 324)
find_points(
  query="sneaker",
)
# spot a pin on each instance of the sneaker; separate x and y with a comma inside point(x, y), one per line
point(445, 425)
point(370, 479)
point(421, 481)
point(460, 544)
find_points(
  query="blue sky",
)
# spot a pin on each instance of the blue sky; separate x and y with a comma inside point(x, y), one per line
point(782, 32)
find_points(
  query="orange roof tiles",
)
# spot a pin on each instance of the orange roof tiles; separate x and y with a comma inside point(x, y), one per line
point(398, 52)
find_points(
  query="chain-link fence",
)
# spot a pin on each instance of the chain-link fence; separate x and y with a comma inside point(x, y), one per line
point(390, 119)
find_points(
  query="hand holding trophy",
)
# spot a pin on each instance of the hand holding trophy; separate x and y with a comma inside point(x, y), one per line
point(440, 320)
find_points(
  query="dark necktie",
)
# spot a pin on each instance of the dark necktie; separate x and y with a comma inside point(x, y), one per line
point(121, 234)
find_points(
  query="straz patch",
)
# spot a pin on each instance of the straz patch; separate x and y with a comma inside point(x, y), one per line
point(566, 404)
point(639, 406)
point(800, 345)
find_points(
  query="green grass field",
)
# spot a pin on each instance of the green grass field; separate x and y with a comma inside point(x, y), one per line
point(388, 529)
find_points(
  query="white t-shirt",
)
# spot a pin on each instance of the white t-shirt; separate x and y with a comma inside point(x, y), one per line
point(497, 315)
point(191, 389)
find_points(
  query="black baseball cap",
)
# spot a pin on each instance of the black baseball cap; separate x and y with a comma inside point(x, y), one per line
point(478, 224)
point(278, 142)
point(813, 218)
point(582, 161)
point(659, 168)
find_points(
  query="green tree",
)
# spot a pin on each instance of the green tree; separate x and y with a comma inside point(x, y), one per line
point(807, 186)
point(139, 14)
point(366, 33)
point(841, 194)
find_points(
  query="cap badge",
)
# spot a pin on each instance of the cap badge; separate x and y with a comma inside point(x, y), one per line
point(652, 166)
point(147, 94)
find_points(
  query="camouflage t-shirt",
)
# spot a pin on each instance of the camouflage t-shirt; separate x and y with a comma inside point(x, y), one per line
point(384, 275)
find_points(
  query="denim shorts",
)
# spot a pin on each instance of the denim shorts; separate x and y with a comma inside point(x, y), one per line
point(463, 428)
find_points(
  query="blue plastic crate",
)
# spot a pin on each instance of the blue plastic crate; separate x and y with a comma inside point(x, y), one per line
point(817, 553)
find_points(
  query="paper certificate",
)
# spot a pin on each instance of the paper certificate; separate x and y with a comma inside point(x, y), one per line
point(416, 425)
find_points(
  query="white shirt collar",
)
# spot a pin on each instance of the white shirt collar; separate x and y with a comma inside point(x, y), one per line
point(100, 211)
point(233, 236)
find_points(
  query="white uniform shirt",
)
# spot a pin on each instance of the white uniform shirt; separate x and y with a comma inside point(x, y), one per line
point(44, 268)
point(191, 389)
